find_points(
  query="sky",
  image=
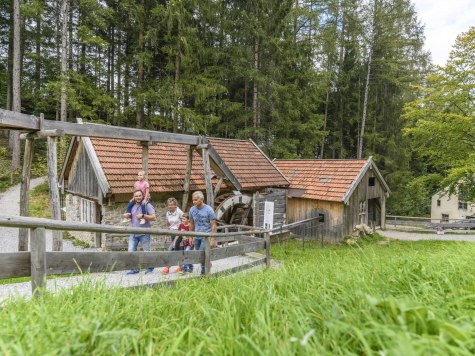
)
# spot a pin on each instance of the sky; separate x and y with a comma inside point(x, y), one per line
point(444, 20)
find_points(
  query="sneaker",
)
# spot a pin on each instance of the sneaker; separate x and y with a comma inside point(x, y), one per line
point(125, 220)
point(178, 269)
point(166, 270)
point(142, 221)
point(133, 271)
point(149, 270)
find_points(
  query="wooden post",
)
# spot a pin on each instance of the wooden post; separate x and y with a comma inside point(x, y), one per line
point(383, 212)
point(145, 157)
point(186, 185)
point(54, 191)
point(38, 259)
point(207, 255)
point(24, 190)
point(209, 186)
point(267, 241)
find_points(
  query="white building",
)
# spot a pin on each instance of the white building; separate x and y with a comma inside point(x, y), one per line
point(447, 208)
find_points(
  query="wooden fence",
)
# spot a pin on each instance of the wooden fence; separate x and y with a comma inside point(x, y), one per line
point(428, 223)
point(38, 263)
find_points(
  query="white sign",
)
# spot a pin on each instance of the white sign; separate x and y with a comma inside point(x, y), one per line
point(268, 215)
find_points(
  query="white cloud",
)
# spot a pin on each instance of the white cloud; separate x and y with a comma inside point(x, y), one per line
point(444, 20)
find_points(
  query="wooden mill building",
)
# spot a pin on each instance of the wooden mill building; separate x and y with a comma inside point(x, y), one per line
point(99, 173)
point(343, 193)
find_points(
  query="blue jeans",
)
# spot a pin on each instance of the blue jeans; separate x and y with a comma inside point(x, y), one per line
point(134, 242)
point(200, 245)
point(188, 267)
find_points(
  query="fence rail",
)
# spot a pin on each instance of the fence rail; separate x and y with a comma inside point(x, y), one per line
point(38, 263)
point(430, 223)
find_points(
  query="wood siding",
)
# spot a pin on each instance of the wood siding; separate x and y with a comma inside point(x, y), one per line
point(81, 178)
point(276, 195)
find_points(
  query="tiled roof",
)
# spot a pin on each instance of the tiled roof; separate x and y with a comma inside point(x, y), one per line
point(321, 179)
point(122, 159)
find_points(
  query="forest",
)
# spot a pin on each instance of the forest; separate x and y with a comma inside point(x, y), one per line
point(328, 79)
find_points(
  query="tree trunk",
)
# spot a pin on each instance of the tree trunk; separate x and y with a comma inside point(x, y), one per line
point(140, 77)
point(16, 89)
point(365, 106)
point(24, 192)
point(255, 93)
point(64, 58)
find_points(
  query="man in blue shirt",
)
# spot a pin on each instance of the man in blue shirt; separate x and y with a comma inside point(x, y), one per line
point(202, 219)
point(137, 215)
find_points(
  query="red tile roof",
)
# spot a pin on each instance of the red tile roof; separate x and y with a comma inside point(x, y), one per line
point(321, 179)
point(122, 159)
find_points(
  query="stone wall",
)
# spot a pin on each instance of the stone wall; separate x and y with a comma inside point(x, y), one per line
point(111, 214)
point(73, 213)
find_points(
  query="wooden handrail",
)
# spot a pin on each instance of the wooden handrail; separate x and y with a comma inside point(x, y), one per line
point(28, 222)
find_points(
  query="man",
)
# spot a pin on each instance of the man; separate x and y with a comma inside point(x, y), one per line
point(137, 215)
point(202, 219)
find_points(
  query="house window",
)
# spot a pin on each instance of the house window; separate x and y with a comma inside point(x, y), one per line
point(445, 218)
point(372, 181)
point(438, 202)
point(463, 205)
point(87, 211)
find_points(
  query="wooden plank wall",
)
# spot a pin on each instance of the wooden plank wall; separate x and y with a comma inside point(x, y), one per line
point(276, 195)
point(353, 213)
point(82, 179)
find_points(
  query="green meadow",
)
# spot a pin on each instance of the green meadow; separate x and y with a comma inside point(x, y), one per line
point(401, 298)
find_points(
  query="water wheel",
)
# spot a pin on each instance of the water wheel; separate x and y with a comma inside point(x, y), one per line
point(233, 208)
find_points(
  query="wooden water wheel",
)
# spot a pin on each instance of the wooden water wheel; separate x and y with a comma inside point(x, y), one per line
point(233, 208)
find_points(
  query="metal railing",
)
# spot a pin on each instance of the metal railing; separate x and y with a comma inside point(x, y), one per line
point(429, 223)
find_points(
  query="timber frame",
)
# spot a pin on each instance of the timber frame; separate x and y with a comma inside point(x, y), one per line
point(37, 127)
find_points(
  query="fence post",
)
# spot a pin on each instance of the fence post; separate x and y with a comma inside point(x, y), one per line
point(38, 259)
point(207, 255)
point(267, 244)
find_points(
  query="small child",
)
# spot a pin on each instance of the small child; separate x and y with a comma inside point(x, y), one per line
point(140, 184)
point(187, 241)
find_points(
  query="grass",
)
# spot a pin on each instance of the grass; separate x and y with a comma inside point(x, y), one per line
point(39, 201)
point(75, 242)
point(401, 298)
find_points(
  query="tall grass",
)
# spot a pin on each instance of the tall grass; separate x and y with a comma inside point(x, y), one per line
point(398, 299)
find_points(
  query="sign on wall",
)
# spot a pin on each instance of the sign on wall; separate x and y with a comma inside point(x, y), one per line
point(268, 215)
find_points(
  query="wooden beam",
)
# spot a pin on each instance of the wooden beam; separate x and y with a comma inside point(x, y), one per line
point(218, 186)
point(24, 192)
point(54, 191)
point(38, 259)
point(42, 134)
point(186, 184)
point(207, 261)
point(145, 158)
point(70, 262)
point(20, 221)
point(236, 250)
point(267, 248)
point(221, 169)
point(14, 120)
point(207, 171)
point(15, 264)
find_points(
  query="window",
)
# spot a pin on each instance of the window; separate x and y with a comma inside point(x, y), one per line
point(438, 202)
point(87, 211)
point(445, 218)
point(463, 205)
point(372, 181)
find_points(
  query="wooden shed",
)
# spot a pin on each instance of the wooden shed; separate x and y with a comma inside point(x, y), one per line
point(343, 193)
point(98, 175)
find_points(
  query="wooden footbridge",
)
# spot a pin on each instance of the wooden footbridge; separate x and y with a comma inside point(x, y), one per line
point(39, 263)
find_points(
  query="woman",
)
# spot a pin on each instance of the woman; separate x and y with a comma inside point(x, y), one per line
point(173, 216)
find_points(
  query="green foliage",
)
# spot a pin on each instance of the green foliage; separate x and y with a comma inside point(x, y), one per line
point(442, 120)
point(399, 298)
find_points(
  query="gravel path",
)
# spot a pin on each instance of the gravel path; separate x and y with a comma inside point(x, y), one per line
point(414, 236)
point(10, 205)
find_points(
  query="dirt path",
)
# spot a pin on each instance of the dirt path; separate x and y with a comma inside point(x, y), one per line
point(414, 236)
point(10, 205)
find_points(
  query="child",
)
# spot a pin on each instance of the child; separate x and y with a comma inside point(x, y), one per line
point(140, 184)
point(187, 241)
